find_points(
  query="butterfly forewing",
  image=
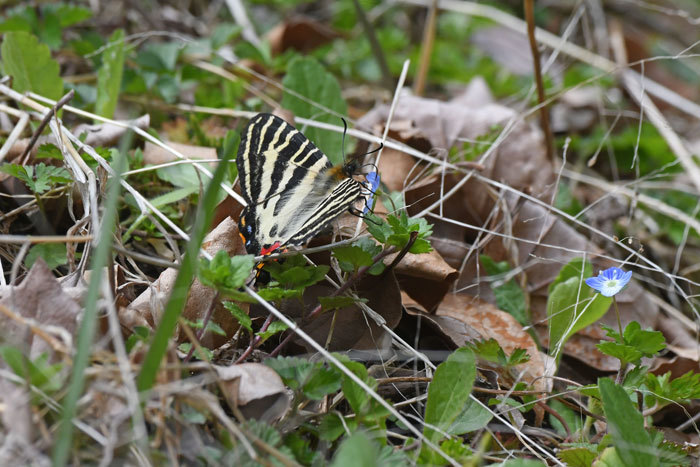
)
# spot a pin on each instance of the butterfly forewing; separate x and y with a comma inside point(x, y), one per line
point(290, 187)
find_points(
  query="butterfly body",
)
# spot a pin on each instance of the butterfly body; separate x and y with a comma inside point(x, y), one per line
point(292, 189)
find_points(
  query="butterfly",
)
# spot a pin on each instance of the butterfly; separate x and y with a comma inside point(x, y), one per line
point(292, 189)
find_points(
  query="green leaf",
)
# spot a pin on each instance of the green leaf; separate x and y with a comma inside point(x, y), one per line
point(625, 353)
point(572, 418)
point(275, 294)
point(30, 65)
point(301, 447)
point(294, 371)
point(578, 456)
point(224, 32)
point(572, 269)
point(447, 395)
point(49, 151)
point(647, 342)
point(225, 273)
point(626, 425)
point(53, 254)
point(321, 383)
point(333, 425)
point(570, 309)
point(359, 254)
point(275, 328)
point(456, 449)
point(109, 77)
point(239, 315)
point(663, 390)
point(307, 78)
point(68, 14)
point(376, 226)
point(294, 272)
point(356, 450)
point(509, 296)
point(474, 417)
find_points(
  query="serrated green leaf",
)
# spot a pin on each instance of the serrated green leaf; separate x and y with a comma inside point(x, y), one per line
point(447, 396)
point(377, 227)
point(332, 426)
point(294, 371)
point(30, 65)
point(306, 77)
point(626, 425)
point(53, 254)
point(623, 352)
point(109, 76)
point(578, 456)
point(647, 342)
point(239, 315)
point(48, 151)
point(321, 383)
point(225, 273)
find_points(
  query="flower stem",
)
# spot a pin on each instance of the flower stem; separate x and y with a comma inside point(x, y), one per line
point(619, 322)
point(623, 365)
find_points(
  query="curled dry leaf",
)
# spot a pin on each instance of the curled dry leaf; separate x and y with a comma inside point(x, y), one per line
point(425, 277)
point(493, 323)
point(146, 309)
point(464, 320)
point(256, 389)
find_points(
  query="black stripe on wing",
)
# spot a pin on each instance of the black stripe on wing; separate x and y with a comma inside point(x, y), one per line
point(340, 200)
point(267, 135)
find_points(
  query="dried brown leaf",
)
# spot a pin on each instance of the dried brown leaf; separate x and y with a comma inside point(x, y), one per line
point(147, 307)
point(256, 389)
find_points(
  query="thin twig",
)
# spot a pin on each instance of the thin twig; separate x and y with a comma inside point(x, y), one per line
point(426, 50)
point(45, 121)
point(541, 98)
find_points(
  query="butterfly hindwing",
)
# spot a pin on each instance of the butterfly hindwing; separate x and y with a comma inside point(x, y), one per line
point(292, 189)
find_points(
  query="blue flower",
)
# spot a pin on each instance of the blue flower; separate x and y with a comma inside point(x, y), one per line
point(610, 281)
point(373, 181)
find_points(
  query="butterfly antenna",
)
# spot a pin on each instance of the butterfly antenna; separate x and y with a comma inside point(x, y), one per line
point(378, 148)
point(345, 130)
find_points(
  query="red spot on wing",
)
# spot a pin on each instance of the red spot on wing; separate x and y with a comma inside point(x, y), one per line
point(270, 249)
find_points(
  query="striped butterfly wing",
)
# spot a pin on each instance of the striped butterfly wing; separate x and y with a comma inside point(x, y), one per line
point(292, 189)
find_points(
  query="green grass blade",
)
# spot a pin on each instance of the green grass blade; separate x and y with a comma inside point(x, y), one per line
point(86, 333)
point(181, 287)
